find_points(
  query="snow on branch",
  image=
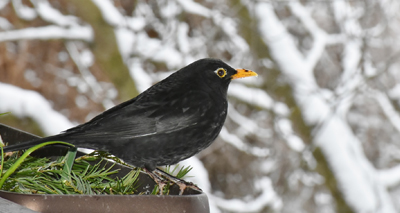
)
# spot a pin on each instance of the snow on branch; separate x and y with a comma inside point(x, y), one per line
point(83, 61)
point(50, 14)
point(29, 103)
point(356, 177)
point(267, 198)
point(285, 129)
point(195, 8)
point(48, 32)
point(3, 3)
point(24, 11)
point(390, 112)
point(252, 96)
point(316, 32)
point(288, 57)
point(235, 141)
point(390, 177)
point(246, 126)
point(110, 13)
point(229, 28)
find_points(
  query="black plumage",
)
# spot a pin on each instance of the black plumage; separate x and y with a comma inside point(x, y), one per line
point(169, 122)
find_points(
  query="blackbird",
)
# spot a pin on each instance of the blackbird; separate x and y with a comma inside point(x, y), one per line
point(169, 122)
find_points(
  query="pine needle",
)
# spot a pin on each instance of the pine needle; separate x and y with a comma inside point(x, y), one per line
point(89, 174)
point(67, 175)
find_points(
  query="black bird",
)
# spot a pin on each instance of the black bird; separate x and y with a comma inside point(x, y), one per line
point(169, 122)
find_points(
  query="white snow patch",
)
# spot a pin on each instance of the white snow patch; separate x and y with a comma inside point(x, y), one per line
point(136, 23)
point(267, 198)
point(142, 80)
point(125, 40)
point(183, 40)
point(3, 3)
point(110, 13)
point(294, 142)
point(48, 32)
point(170, 56)
point(235, 141)
point(29, 103)
point(390, 177)
point(170, 10)
point(5, 24)
point(199, 176)
point(49, 14)
point(253, 96)
point(24, 11)
point(195, 8)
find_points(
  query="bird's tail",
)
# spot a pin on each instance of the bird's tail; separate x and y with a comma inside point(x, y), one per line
point(31, 143)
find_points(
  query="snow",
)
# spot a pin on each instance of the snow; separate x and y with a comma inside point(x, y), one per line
point(335, 138)
point(253, 96)
point(229, 27)
point(142, 80)
point(50, 14)
point(32, 77)
point(153, 48)
point(48, 32)
point(183, 40)
point(351, 79)
point(199, 176)
point(110, 13)
point(294, 142)
point(319, 35)
point(170, 10)
point(195, 8)
point(394, 92)
point(235, 141)
point(267, 198)
point(83, 60)
point(3, 3)
point(23, 103)
point(87, 58)
point(281, 109)
point(355, 175)
point(24, 11)
point(388, 109)
point(168, 55)
point(390, 177)
point(5, 24)
point(246, 125)
point(136, 23)
point(125, 41)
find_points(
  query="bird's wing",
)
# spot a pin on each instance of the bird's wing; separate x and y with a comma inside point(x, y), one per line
point(152, 117)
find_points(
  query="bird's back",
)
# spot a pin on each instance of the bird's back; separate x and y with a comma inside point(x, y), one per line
point(162, 126)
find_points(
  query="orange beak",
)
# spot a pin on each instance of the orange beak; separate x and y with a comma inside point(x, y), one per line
point(243, 73)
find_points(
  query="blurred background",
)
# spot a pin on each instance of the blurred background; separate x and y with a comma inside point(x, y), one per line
point(317, 131)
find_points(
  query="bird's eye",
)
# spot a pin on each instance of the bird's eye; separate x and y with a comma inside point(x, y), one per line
point(221, 72)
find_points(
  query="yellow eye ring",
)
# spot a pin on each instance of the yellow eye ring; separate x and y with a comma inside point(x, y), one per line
point(221, 72)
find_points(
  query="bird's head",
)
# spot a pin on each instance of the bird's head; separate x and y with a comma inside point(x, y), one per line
point(215, 73)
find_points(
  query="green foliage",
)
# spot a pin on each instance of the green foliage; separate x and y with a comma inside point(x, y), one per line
point(183, 171)
point(67, 175)
point(5, 113)
point(21, 159)
point(89, 174)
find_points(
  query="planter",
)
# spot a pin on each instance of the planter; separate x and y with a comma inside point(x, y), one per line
point(190, 201)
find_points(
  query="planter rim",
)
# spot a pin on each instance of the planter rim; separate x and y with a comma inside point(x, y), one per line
point(105, 195)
